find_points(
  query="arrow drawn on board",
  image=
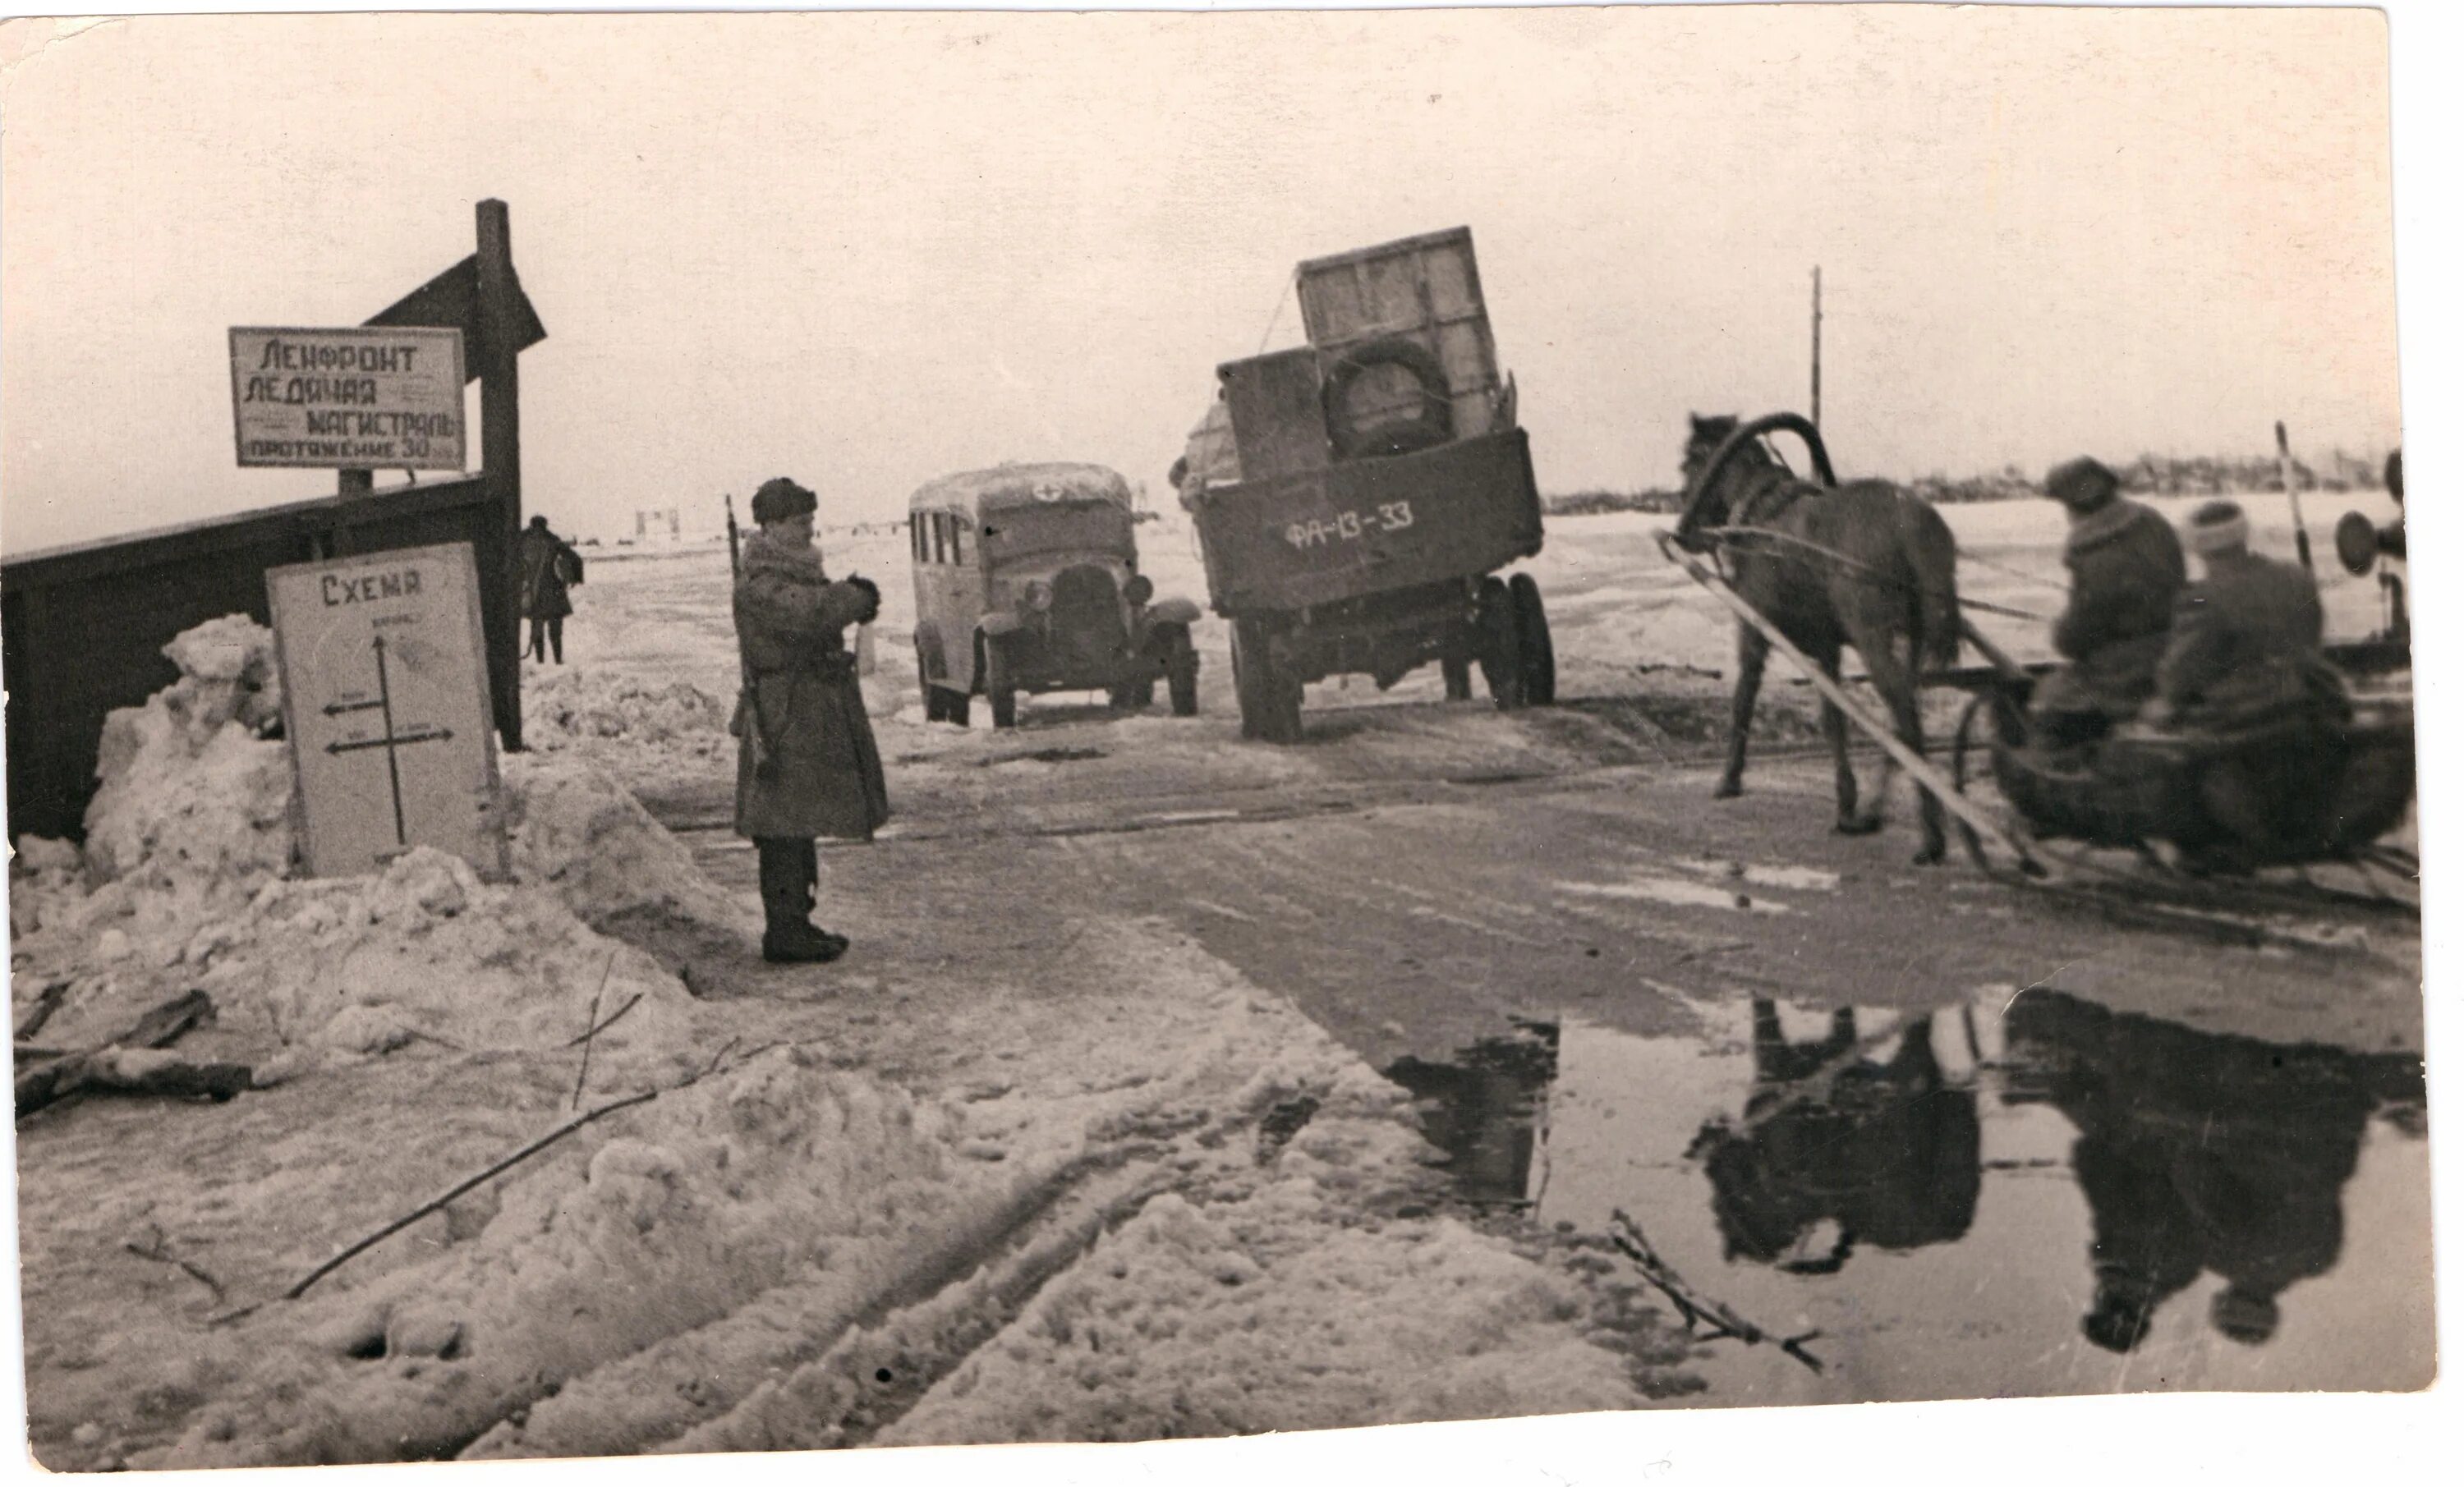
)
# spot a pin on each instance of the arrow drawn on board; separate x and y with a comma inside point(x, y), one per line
point(388, 740)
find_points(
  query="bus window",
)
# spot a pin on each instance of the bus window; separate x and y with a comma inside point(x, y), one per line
point(940, 536)
point(915, 537)
point(958, 541)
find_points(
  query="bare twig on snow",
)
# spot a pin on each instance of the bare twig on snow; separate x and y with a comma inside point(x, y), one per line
point(1697, 1309)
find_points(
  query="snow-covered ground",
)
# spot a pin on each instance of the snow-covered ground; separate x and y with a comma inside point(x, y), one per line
point(1052, 1171)
point(1133, 1149)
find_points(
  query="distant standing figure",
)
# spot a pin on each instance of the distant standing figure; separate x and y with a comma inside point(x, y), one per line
point(550, 569)
point(2125, 567)
point(807, 765)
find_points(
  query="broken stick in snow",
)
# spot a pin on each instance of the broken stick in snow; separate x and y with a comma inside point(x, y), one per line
point(299, 1287)
point(1694, 1306)
point(159, 1249)
point(159, 1028)
point(590, 1030)
point(613, 1018)
point(46, 1003)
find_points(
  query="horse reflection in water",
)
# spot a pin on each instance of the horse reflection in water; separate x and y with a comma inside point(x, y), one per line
point(2198, 1151)
point(1883, 1153)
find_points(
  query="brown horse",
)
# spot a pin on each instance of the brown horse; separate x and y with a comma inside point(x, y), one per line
point(1864, 564)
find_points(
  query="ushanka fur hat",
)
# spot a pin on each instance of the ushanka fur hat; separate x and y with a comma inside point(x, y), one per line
point(781, 499)
point(2082, 482)
point(2219, 527)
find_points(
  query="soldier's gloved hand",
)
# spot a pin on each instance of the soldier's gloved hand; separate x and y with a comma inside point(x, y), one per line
point(871, 598)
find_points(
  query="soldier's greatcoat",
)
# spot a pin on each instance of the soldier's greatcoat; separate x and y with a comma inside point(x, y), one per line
point(819, 772)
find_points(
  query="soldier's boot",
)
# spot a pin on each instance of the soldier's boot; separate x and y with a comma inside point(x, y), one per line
point(788, 936)
point(809, 861)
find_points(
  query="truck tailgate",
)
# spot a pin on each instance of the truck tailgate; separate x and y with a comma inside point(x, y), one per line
point(1369, 526)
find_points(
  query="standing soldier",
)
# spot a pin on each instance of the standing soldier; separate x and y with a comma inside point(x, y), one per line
point(807, 766)
point(550, 567)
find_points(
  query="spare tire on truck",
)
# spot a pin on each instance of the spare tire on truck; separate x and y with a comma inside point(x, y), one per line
point(1429, 422)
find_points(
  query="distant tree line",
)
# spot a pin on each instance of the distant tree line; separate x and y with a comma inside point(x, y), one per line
point(2149, 475)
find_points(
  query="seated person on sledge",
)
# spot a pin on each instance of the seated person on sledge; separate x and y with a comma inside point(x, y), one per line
point(2126, 568)
point(2245, 647)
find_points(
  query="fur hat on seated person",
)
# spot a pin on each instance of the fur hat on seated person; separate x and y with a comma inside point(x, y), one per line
point(2217, 528)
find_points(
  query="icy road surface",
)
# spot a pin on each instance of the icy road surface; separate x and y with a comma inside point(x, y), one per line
point(1112, 1125)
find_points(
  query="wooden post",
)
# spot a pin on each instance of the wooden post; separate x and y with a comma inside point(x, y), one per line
point(502, 452)
point(2292, 494)
point(1815, 417)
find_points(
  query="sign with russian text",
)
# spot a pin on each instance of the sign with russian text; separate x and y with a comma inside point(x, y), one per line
point(366, 399)
point(384, 700)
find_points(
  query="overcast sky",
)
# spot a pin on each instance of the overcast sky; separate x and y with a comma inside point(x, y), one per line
point(866, 250)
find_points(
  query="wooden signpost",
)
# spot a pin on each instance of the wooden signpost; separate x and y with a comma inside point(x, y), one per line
point(372, 398)
point(384, 700)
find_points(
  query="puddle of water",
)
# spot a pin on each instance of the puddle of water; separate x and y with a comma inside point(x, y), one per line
point(1762, 875)
point(1682, 891)
point(2020, 1196)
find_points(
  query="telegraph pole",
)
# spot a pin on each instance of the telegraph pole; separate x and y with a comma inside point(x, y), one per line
point(1817, 414)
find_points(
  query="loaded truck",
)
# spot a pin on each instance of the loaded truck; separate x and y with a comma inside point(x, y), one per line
point(1356, 500)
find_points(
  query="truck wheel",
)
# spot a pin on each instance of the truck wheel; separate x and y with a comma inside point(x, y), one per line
point(1243, 688)
point(1539, 655)
point(999, 689)
point(1501, 643)
point(1455, 665)
point(1283, 708)
point(1244, 677)
point(1180, 674)
point(955, 706)
point(1270, 700)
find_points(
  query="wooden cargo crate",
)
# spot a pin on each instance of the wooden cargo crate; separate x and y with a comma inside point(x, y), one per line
point(1425, 290)
point(1278, 422)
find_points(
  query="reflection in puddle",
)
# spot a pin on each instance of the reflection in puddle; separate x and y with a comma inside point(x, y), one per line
point(2042, 1197)
point(1682, 891)
point(1482, 1110)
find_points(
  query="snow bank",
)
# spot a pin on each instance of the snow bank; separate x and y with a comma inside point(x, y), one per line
point(703, 1200)
point(1273, 1286)
point(180, 883)
point(194, 800)
point(328, 969)
point(1171, 1327)
point(562, 706)
point(574, 829)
